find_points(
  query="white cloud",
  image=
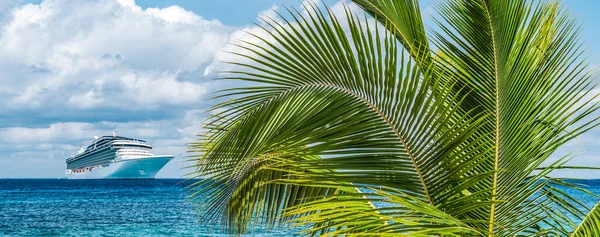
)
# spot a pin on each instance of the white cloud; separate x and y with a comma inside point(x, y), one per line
point(53, 49)
point(127, 3)
point(175, 14)
point(85, 101)
point(54, 132)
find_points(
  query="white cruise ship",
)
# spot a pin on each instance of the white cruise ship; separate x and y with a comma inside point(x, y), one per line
point(115, 157)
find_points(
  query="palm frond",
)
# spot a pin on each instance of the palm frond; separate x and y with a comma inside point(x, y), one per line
point(590, 226)
point(391, 213)
point(403, 19)
point(523, 63)
point(365, 106)
point(448, 143)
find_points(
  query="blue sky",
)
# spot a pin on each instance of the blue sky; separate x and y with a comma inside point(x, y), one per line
point(74, 69)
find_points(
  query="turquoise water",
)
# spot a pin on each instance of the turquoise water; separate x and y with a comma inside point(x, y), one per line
point(46, 207)
point(49, 207)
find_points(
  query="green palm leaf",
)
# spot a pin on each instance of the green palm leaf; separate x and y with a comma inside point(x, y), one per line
point(397, 214)
point(527, 71)
point(403, 19)
point(590, 226)
point(444, 143)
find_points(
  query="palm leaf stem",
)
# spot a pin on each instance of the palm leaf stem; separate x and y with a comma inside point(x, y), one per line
point(497, 111)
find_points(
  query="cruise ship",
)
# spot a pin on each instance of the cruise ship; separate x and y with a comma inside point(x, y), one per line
point(115, 157)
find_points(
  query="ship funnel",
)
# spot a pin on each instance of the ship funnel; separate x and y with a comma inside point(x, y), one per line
point(95, 137)
point(114, 133)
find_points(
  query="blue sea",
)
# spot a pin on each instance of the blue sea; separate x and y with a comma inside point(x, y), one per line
point(59, 207)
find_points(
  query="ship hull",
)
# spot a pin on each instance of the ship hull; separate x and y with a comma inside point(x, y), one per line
point(133, 168)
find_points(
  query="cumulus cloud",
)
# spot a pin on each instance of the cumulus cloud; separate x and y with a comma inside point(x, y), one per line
point(104, 51)
point(138, 90)
point(54, 132)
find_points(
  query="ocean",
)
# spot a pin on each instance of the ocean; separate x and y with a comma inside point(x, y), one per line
point(59, 207)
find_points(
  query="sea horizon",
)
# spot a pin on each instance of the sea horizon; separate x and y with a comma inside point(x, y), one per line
point(125, 207)
point(105, 207)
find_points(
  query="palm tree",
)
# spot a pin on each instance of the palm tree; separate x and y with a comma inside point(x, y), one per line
point(355, 127)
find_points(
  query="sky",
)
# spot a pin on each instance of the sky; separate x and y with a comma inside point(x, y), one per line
point(74, 69)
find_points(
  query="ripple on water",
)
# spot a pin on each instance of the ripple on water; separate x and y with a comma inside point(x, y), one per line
point(102, 208)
